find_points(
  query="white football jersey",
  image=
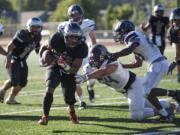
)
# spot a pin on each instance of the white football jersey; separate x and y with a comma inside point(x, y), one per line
point(116, 80)
point(87, 26)
point(146, 49)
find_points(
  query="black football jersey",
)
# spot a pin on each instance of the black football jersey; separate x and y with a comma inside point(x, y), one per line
point(174, 35)
point(158, 25)
point(25, 43)
point(59, 47)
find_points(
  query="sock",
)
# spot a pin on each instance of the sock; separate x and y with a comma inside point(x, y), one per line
point(163, 112)
point(81, 98)
point(47, 102)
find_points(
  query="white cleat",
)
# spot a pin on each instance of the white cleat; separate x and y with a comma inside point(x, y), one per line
point(11, 101)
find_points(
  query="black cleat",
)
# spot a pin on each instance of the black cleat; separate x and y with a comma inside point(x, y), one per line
point(177, 96)
point(91, 94)
point(169, 118)
point(82, 105)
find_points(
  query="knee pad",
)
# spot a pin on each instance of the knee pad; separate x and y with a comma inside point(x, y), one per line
point(137, 115)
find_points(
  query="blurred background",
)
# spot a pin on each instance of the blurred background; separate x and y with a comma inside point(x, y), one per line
point(14, 13)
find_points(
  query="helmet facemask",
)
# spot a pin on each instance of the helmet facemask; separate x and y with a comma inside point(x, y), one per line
point(75, 13)
point(72, 34)
point(72, 41)
point(98, 55)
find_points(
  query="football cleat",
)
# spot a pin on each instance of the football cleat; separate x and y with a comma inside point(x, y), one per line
point(72, 116)
point(43, 120)
point(2, 94)
point(82, 105)
point(91, 95)
point(169, 118)
point(177, 96)
point(11, 101)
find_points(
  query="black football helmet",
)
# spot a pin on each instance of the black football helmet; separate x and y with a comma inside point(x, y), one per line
point(175, 18)
point(75, 13)
point(175, 14)
point(98, 54)
point(159, 10)
point(72, 34)
point(121, 28)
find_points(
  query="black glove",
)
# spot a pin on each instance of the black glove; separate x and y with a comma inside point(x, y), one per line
point(171, 67)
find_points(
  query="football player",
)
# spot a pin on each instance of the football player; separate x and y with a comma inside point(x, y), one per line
point(69, 49)
point(76, 14)
point(109, 71)
point(174, 37)
point(158, 24)
point(22, 44)
point(142, 47)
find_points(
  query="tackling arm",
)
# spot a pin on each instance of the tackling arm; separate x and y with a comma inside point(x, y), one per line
point(137, 63)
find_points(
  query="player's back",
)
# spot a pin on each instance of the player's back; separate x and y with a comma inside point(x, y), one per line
point(146, 48)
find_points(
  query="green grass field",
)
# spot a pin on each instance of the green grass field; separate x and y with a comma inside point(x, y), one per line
point(108, 115)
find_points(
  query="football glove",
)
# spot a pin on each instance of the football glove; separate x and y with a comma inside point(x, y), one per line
point(171, 67)
point(81, 78)
point(62, 63)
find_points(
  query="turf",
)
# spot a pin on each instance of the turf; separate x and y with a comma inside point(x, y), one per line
point(108, 115)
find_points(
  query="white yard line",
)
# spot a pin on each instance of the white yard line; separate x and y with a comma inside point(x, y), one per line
point(161, 133)
point(56, 108)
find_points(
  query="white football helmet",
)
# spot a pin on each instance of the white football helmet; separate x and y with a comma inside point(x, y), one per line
point(34, 22)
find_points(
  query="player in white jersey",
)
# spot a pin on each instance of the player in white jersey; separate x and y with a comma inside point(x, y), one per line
point(75, 14)
point(110, 72)
point(141, 46)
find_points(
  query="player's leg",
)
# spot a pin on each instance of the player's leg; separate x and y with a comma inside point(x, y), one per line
point(69, 87)
point(7, 85)
point(178, 61)
point(15, 79)
point(136, 102)
point(80, 97)
point(90, 83)
point(52, 81)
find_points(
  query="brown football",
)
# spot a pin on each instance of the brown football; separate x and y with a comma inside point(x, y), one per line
point(47, 57)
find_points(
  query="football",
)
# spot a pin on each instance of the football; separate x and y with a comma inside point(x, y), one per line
point(47, 57)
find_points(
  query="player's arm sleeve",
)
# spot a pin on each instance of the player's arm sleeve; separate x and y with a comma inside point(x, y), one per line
point(19, 38)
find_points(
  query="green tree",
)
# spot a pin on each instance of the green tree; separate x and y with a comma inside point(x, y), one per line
point(89, 7)
point(124, 11)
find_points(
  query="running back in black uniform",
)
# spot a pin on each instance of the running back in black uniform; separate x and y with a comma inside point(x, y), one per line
point(73, 55)
point(22, 44)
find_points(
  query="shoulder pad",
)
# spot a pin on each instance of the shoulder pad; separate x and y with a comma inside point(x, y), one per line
point(89, 23)
point(131, 37)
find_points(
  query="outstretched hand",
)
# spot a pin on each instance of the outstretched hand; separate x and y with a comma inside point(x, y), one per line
point(171, 68)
